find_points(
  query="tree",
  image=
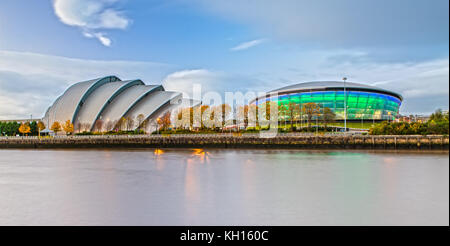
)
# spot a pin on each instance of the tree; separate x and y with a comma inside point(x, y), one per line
point(24, 128)
point(327, 116)
point(110, 125)
point(33, 128)
point(203, 109)
point(129, 122)
point(269, 114)
point(68, 127)
point(242, 115)
point(40, 126)
point(99, 125)
point(121, 123)
point(164, 121)
point(56, 127)
point(225, 111)
point(140, 120)
point(437, 116)
point(282, 111)
point(311, 110)
point(79, 126)
point(9, 128)
point(293, 112)
point(253, 115)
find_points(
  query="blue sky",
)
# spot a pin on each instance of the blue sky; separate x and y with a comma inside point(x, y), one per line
point(225, 45)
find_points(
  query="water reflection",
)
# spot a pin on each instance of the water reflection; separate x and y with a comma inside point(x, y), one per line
point(237, 187)
point(201, 155)
point(158, 152)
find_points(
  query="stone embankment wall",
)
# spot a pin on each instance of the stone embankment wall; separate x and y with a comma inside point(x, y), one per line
point(232, 141)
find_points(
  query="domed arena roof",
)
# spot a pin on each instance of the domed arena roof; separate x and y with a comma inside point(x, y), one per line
point(104, 101)
point(332, 85)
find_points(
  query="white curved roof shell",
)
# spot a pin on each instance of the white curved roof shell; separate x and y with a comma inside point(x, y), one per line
point(67, 105)
point(107, 99)
point(95, 103)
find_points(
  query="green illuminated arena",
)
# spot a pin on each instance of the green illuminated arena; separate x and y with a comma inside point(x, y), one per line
point(363, 102)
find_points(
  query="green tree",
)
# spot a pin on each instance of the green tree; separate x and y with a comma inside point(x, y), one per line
point(437, 116)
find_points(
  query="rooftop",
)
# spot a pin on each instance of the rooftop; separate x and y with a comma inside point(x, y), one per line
point(332, 84)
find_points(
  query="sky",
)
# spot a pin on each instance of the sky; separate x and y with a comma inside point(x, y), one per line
point(224, 45)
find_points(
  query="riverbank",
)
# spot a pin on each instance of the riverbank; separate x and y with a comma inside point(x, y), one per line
point(300, 141)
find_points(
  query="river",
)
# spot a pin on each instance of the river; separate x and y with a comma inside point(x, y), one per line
point(223, 187)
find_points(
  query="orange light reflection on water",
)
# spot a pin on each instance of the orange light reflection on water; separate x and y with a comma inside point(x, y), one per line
point(158, 152)
point(202, 155)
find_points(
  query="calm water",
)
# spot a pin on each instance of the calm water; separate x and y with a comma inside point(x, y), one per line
point(223, 187)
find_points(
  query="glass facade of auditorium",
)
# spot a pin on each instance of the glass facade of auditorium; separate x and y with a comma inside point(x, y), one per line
point(360, 105)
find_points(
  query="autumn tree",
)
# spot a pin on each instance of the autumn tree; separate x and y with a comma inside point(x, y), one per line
point(242, 115)
point(164, 121)
point(293, 112)
point(68, 127)
point(40, 126)
point(224, 112)
point(56, 127)
point(211, 117)
point(24, 128)
point(327, 116)
point(183, 118)
point(253, 115)
point(198, 114)
point(266, 112)
point(311, 110)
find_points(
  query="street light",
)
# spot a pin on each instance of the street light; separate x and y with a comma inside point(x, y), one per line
point(345, 104)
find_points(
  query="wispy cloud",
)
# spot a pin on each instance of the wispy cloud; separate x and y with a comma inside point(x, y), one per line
point(30, 82)
point(91, 16)
point(211, 81)
point(248, 45)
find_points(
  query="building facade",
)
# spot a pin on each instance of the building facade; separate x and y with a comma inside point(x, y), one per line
point(109, 103)
point(363, 102)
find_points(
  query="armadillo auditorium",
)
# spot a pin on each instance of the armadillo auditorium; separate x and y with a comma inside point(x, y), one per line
point(363, 102)
point(98, 104)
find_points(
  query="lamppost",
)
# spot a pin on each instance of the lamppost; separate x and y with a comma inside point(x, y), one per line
point(345, 104)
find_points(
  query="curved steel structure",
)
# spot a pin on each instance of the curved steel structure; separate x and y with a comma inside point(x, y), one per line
point(111, 98)
point(106, 100)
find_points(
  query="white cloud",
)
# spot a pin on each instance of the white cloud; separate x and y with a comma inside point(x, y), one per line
point(247, 45)
point(90, 16)
point(211, 81)
point(423, 84)
point(30, 82)
point(100, 36)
